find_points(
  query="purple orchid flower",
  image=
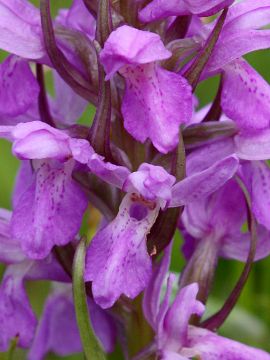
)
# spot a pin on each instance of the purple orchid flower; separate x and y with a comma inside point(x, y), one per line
point(253, 140)
point(161, 9)
point(255, 174)
point(77, 17)
point(46, 200)
point(16, 315)
point(217, 220)
point(66, 107)
point(156, 101)
point(240, 81)
point(19, 92)
point(117, 261)
point(244, 91)
point(20, 26)
point(244, 21)
point(58, 332)
point(22, 35)
point(154, 53)
point(174, 338)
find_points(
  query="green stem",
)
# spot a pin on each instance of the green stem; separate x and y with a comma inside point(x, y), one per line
point(91, 346)
point(12, 348)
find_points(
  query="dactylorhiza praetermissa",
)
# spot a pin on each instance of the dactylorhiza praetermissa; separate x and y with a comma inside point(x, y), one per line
point(151, 161)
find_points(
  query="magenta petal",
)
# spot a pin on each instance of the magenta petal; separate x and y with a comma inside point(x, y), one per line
point(247, 14)
point(223, 213)
point(161, 9)
point(170, 355)
point(204, 183)
point(236, 245)
point(150, 181)
point(10, 248)
point(244, 92)
point(37, 140)
point(81, 150)
point(163, 309)
point(45, 214)
point(22, 130)
point(24, 179)
point(6, 132)
point(41, 145)
point(152, 294)
point(127, 45)
point(195, 219)
point(189, 245)
point(155, 103)
point(253, 146)
point(233, 45)
point(16, 315)
point(18, 87)
point(78, 18)
point(57, 330)
point(209, 346)
point(259, 173)
point(20, 29)
point(47, 269)
point(206, 7)
point(117, 261)
point(176, 327)
point(113, 174)
point(67, 107)
point(103, 325)
point(205, 156)
point(226, 209)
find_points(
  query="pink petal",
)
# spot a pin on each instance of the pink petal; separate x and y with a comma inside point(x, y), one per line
point(155, 103)
point(178, 315)
point(161, 9)
point(233, 45)
point(204, 183)
point(117, 261)
point(113, 174)
point(236, 246)
point(45, 214)
point(150, 181)
point(57, 331)
point(16, 314)
point(253, 146)
point(260, 190)
point(19, 89)
point(209, 346)
point(152, 294)
point(20, 29)
point(127, 45)
point(67, 107)
point(244, 92)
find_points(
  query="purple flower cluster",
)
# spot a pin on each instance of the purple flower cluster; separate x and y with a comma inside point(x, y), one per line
point(150, 163)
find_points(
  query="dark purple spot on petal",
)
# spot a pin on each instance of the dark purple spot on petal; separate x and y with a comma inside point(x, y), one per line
point(138, 211)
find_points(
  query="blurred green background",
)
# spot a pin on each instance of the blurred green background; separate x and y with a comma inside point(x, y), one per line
point(250, 320)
